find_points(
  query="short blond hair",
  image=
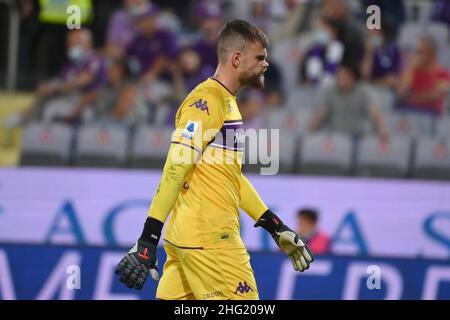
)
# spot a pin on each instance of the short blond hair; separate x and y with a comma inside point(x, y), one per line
point(237, 35)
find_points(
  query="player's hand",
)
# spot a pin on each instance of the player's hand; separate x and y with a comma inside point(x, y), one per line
point(294, 246)
point(288, 241)
point(137, 264)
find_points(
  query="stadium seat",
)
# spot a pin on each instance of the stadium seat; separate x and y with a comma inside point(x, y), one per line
point(101, 146)
point(286, 55)
point(326, 154)
point(46, 144)
point(413, 124)
point(412, 31)
point(409, 34)
point(432, 159)
point(443, 127)
point(289, 121)
point(383, 98)
point(149, 147)
point(285, 149)
point(377, 159)
point(444, 54)
point(303, 97)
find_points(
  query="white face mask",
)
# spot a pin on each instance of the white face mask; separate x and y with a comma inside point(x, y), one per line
point(76, 53)
point(322, 37)
point(377, 41)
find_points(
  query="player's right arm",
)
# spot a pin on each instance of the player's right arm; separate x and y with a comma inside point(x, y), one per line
point(188, 143)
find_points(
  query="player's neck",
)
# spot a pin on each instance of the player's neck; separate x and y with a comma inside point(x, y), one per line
point(228, 80)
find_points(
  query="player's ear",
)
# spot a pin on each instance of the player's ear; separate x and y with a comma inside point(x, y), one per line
point(236, 59)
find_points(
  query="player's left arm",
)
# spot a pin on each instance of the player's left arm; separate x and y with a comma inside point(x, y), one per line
point(286, 239)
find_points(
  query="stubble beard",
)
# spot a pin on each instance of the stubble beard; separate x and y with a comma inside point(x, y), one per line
point(255, 81)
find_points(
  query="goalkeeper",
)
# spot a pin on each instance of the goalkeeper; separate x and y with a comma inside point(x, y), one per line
point(202, 185)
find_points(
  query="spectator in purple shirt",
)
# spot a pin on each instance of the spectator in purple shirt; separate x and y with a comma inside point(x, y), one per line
point(147, 57)
point(84, 75)
point(322, 59)
point(122, 28)
point(382, 57)
point(210, 16)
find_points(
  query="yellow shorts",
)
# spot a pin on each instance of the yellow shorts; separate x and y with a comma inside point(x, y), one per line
point(196, 274)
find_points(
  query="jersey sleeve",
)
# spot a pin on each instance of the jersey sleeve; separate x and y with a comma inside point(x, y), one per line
point(251, 202)
point(198, 120)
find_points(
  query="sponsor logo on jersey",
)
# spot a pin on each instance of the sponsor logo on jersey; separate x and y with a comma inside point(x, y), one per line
point(202, 105)
point(243, 288)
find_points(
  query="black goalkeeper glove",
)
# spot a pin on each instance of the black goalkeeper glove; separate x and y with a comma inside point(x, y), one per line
point(141, 260)
point(287, 240)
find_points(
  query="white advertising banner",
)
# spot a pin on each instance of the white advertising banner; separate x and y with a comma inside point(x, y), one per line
point(374, 217)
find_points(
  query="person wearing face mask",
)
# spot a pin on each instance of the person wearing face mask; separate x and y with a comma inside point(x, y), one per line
point(122, 27)
point(78, 82)
point(381, 63)
point(325, 54)
point(52, 19)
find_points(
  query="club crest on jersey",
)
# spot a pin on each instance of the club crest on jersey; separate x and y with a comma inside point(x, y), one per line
point(201, 104)
point(190, 129)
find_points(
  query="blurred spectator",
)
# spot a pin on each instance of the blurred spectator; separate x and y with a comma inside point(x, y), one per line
point(122, 28)
point(349, 28)
point(382, 57)
point(251, 104)
point(346, 106)
point(441, 12)
point(319, 242)
point(425, 82)
point(147, 57)
point(82, 77)
point(322, 59)
point(188, 72)
point(210, 17)
point(52, 33)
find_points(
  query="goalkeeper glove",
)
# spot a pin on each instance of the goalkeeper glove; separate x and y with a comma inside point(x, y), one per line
point(287, 240)
point(141, 260)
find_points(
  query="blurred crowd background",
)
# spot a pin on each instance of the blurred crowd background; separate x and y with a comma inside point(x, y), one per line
point(347, 100)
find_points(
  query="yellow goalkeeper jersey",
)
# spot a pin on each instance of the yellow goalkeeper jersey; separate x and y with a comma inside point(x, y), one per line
point(206, 212)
